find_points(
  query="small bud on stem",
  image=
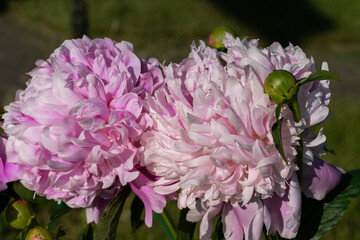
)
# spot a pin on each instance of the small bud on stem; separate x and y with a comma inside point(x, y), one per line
point(39, 233)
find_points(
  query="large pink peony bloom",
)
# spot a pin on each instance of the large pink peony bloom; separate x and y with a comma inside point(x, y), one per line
point(8, 172)
point(212, 139)
point(76, 127)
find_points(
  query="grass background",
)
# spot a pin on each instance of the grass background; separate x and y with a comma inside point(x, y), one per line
point(328, 30)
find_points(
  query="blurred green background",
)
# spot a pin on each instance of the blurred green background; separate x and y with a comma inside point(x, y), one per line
point(328, 30)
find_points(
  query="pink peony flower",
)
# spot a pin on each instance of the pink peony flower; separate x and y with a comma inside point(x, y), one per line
point(8, 172)
point(76, 127)
point(212, 142)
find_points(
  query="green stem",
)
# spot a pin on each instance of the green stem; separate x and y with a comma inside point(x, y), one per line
point(166, 223)
point(295, 109)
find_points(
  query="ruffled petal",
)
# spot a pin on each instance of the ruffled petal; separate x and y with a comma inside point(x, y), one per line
point(282, 214)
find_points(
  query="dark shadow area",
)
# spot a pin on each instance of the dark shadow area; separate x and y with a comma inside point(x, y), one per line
point(79, 18)
point(3, 6)
point(282, 21)
point(312, 209)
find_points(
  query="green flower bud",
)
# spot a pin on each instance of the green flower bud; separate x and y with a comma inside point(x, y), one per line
point(19, 214)
point(217, 35)
point(281, 86)
point(39, 233)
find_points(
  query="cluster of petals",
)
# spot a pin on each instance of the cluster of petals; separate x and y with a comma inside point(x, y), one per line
point(8, 171)
point(211, 140)
point(76, 127)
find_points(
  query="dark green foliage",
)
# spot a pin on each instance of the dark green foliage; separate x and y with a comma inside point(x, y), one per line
point(137, 208)
point(318, 217)
point(185, 229)
point(106, 228)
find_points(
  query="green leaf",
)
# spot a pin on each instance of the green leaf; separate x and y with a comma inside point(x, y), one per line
point(317, 76)
point(311, 212)
point(295, 109)
point(60, 210)
point(61, 232)
point(218, 231)
point(338, 201)
point(137, 208)
point(276, 134)
point(20, 236)
point(318, 217)
point(88, 233)
point(185, 229)
point(166, 224)
point(106, 228)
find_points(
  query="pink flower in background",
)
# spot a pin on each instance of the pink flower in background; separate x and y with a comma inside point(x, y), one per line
point(8, 172)
point(76, 127)
point(211, 139)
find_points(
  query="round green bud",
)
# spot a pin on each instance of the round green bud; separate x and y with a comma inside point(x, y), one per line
point(217, 35)
point(39, 233)
point(281, 86)
point(19, 214)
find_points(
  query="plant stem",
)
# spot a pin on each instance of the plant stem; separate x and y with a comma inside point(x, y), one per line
point(166, 223)
point(295, 109)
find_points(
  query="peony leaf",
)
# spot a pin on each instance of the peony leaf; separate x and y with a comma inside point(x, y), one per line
point(218, 233)
point(166, 224)
point(106, 228)
point(336, 203)
point(185, 229)
point(318, 217)
point(317, 76)
point(60, 210)
point(88, 232)
point(20, 236)
point(311, 212)
point(137, 208)
point(276, 134)
point(61, 232)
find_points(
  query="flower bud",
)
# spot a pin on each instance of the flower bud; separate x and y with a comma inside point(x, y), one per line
point(19, 214)
point(281, 86)
point(39, 233)
point(217, 35)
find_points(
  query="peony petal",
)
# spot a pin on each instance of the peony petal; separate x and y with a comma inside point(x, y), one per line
point(282, 214)
point(319, 178)
point(94, 212)
point(152, 201)
point(206, 225)
point(243, 220)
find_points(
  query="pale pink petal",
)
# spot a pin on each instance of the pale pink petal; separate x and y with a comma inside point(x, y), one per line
point(206, 225)
point(243, 221)
point(282, 214)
